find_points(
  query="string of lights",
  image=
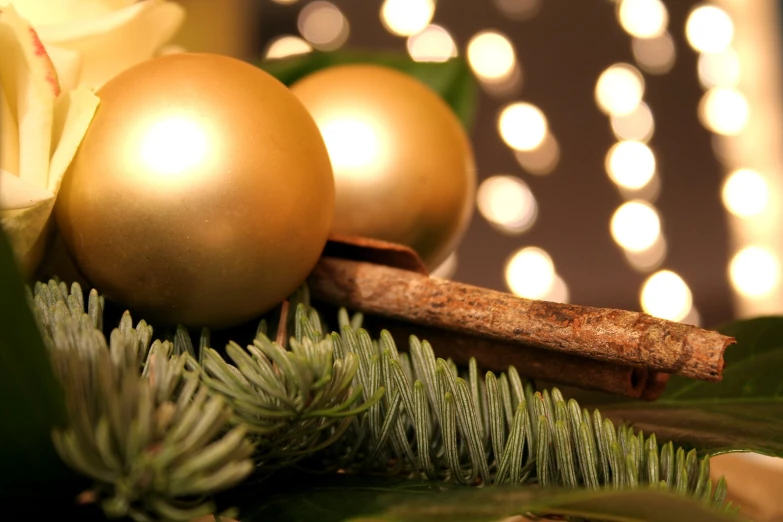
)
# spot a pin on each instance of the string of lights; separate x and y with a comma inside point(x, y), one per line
point(506, 201)
point(742, 139)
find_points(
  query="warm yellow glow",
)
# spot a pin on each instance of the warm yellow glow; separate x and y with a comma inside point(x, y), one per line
point(407, 17)
point(754, 271)
point(648, 193)
point(433, 44)
point(522, 126)
point(507, 203)
point(285, 46)
point(518, 9)
point(709, 29)
point(649, 259)
point(446, 269)
point(693, 318)
point(530, 273)
point(745, 193)
point(285, 2)
point(724, 111)
point(643, 18)
point(353, 144)
point(637, 125)
point(630, 164)
point(323, 25)
point(654, 55)
point(559, 292)
point(541, 160)
point(719, 69)
point(491, 56)
point(635, 226)
point(619, 89)
point(174, 146)
point(666, 295)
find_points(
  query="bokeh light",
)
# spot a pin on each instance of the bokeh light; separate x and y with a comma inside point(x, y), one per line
point(745, 193)
point(630, 164)
point(664, 294)
point(323, 25)
point(709, 29)
point(407, 17)
point(559, 292)
point(647, 260)
point(519, 9)
point(693, 318)
point(719, 69)
point(619, 89)
point(491, 56)
point(638, 125)
point(754, 271)
point(635, 226)
point(724, 111)
point(643, 18)
point(530, 273)
point(541, 160)
point(507, 203)
point(433, 44)
point(447, 268)
point(285, 46)
point(649, 192)
point(655, 55)
point(522, 126)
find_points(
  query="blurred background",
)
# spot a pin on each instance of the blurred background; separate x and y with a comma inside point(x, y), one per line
point(628, 151)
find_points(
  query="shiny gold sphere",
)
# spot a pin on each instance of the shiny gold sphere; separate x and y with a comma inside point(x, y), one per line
point(202, 193)
point(403, 165)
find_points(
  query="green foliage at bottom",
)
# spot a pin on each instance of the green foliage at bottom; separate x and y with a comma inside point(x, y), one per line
point(161, 426)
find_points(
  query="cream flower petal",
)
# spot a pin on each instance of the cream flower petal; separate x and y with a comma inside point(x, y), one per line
point(16, 193)
point(113, 43)
point(68, 65)
point(30, 84)
point(73, 113)
point(41, 12)
point(9, 136)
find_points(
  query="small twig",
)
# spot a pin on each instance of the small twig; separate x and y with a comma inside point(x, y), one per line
point(282, 325)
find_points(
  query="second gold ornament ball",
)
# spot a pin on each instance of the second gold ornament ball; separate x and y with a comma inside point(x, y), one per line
point(403, 165)
point(201, 194)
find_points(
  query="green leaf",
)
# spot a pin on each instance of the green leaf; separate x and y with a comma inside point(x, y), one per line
point(452, 80)
point(335, 498)
point(31, 397)
point(743, 412)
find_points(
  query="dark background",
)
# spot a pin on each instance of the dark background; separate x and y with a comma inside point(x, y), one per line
point(562, 50)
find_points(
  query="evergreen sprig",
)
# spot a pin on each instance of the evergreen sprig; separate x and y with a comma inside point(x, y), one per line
point(145, 429)
point(294, 401)
point(160, 425)
point(438, 424)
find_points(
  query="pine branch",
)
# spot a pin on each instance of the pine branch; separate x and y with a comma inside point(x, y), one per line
point(147, 431)
point(150, 421)
point(437, 424)
point(293, 401)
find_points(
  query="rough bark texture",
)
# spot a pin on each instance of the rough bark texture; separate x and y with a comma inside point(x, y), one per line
point(535, 363)
point(615, 336)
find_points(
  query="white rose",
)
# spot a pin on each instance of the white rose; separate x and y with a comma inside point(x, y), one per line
point(91, 41)
point(41, 126)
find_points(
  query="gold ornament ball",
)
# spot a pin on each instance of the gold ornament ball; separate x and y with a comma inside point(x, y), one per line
point(202, 193)
point(403, 165)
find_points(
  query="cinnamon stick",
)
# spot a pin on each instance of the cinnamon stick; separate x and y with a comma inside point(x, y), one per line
point(535, 363)
point(617, 337)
